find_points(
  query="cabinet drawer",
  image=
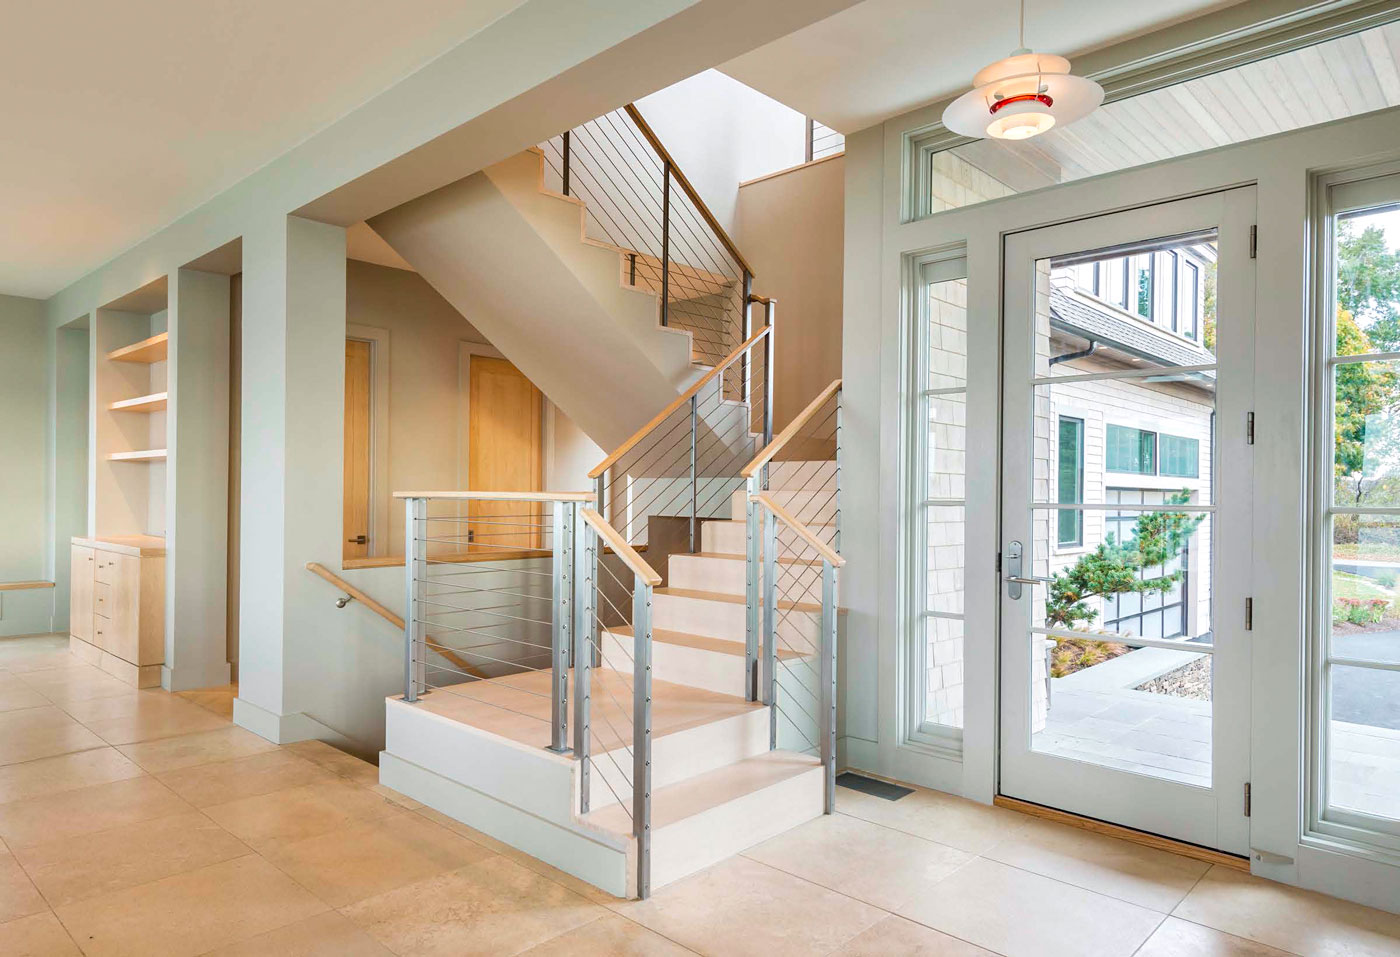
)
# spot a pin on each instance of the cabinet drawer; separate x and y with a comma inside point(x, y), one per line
point(102, 599)
point(106, 571)
point(102, 633)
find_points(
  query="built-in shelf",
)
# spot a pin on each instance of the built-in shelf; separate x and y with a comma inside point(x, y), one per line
point(155, 402)
point(147, 350)
point(145, 455)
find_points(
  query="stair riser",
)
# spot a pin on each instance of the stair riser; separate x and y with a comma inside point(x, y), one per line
point(676, 757)
point(797, 630)
point(787, 475)
point(730, 538)
point(699, 573)
point(696, 667)
point(810, 507)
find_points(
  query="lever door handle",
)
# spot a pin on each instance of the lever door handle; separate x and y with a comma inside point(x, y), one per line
point(1033, 580)
point(358, 540)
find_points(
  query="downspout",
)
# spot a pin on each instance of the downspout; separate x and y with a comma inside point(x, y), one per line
point(1093, 347)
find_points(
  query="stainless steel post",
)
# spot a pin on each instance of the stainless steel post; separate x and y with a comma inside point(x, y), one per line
point(641, 733)
point(562, 610)
point(414, 511)
point(769, 524)
point(836, 532)
point(828, 682)
point(694, 425)
point(768, 377)
point(585, 540)
point(751, 559)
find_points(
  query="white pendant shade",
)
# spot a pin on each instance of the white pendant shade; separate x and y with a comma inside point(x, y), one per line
point(1022, 96)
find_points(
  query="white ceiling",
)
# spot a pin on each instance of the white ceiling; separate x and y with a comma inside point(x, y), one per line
point(881, 58)
point(118, 118)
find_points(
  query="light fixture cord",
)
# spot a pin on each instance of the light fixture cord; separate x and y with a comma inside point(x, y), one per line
point(1023, 25)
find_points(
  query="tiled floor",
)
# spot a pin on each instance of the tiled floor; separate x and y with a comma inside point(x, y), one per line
point(141, 823)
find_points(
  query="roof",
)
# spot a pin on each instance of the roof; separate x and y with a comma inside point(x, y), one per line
point(1106, 326)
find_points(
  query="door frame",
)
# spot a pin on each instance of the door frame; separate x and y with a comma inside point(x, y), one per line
point(1212, 817)
point(379, 375)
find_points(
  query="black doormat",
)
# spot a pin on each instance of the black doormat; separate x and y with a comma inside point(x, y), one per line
point(880, 789)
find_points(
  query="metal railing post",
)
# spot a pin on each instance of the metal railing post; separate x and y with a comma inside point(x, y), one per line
point(561, 630)
point(694, 497)
point(768, 312)
point(828, 682)
point(836, 532)
point(585, 541)
point(566, 162)
point(641, 732)
point(414, 512)
point(666, 242)
point(751, 621)
point(746, 330)
point(769, 524)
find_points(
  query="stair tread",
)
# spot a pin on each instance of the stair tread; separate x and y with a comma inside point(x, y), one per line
point(731, 557)
point(734, 599)
point(685, 799)
point(724, 646)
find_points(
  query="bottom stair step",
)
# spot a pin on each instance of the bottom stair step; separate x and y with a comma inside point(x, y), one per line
point(713, 816)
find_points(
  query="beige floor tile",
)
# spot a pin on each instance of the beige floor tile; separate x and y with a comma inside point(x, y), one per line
point(69, 685)
point(1180, 938)
point(934, 816)
point(38, 936)
point(895, 935)
point(217, 700)
point(550, 872)
point(607, 936)
point(41, 733)
point(190, 913)
point(1015, 912)
point(77, 868)
point(362, 860)
point(86, 810)
point(402, 800)
point(15, 695)
point(326, 935)
point(18, 895)
point(1288, 918)
point(298, 813)
point(188, 750)
point(337, 761)
point(223, 781)
point(35, 659)
point(494, 906)
point(64, 772)
point(470, 833)
point(744, 907)
point(144, 716)
point(1130, 872)
point(869, 862)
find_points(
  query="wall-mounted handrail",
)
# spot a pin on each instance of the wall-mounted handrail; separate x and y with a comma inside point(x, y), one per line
point(690, 191)
point(799, 529)
point(318, 569)
point(619, 546)
point(679, 401)
point(468, 496)
point(791, 432)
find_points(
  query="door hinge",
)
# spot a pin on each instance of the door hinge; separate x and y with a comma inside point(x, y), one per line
point(1246, 799)
point(1249, 428)
point(998, 563)
point(1249, 614)
point(1254, 242)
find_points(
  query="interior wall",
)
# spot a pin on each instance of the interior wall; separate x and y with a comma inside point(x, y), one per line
point(23, 419)
point(68, 472)
point(791, 228)
point(235, 469)
point(721, 133)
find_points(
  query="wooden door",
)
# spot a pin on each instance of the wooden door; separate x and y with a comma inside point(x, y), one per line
point(357, 465)
point(82, 568)
point(504, 454)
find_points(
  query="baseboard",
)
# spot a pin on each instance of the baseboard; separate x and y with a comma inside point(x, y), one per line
point(287, 728)
point(1193, 851)
point(193, 679)
point(582, 854)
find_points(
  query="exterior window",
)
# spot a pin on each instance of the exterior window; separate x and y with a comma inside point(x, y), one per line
point(1131, 450)
point(1192, 313)
point(1180, 456)
point(1147, 614)
point(1141, 291)
point(1071, 479)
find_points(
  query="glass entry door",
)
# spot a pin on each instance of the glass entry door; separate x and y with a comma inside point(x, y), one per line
point(1126, 517)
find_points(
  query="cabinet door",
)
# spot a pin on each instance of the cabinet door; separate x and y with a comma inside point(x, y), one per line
point(125, 602)
point(81, 569)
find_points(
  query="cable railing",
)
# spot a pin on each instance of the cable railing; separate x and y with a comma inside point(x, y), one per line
point(793, 543)
point(511, 599)
point(638, 201)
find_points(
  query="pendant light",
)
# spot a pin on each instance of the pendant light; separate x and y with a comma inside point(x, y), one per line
point(1022, 96)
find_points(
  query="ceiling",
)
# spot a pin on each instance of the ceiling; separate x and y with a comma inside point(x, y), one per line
point(121, 117)
point(881, 58)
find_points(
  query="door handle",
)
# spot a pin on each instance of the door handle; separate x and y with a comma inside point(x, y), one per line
point(358, 540)
point(1014, 557)
point(1033, 580)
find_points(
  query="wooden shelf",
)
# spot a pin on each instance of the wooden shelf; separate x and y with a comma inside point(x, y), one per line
point(147, 350)
point(146, 455)
point(155, 402)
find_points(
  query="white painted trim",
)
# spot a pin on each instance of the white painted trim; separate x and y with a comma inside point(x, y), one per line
point(379, 456)
point(285, 728)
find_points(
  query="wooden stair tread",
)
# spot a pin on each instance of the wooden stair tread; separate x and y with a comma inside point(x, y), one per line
point(734, 599)
point(730, 557)
point(696, 795)
point(722, 646)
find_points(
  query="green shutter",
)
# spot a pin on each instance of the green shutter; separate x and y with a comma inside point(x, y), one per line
point(1071, 479)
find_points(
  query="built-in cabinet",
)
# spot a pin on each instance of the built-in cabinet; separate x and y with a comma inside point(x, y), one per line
point(117, 611)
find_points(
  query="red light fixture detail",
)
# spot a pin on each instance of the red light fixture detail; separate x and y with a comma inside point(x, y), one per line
point(1041, 98)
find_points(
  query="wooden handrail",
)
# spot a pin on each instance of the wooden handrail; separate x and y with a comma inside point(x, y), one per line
point(690, 190)
point(790, 433)
point(681, 400)
point(619, 545)
point(393, 619)
point(803, 532)
point(502, 496)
